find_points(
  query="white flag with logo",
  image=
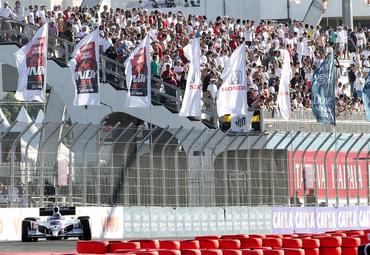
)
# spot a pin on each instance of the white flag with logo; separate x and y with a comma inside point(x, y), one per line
point(138, 76)
point(31, 62)
point(191, 105)
point(283, 97)
point(84, 67)
point(232, 96)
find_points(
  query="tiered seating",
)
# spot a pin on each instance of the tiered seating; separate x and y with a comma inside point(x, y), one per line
point(330, 243)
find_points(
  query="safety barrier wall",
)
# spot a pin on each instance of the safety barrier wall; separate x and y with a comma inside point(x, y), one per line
point(167, 222)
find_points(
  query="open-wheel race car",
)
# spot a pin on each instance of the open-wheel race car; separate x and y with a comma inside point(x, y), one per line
point(56, 226)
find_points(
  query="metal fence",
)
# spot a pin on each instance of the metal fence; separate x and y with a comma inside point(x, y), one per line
point(152, 166)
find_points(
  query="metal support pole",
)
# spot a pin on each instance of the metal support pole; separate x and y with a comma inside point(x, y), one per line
point(272, 177)
point(70, 164)
point(12, 159)
point(303, 166)
point(56, 163)
point(98, 161)
point(325, 171)
point(293, 167)
point(138, 169)
point(346, 166)
point(359, 173)
point(189, 176)
point(347, 13)
point(84, 176)
point(180, 143)
point(7, 130)
point(237, 187)
point(249, 168)
point(124, 132)
point(224, 159)
point(125, 169)
point(315, 167)
point(260, 173)
point(336, 168)
point(201, 174)
point(151, 158)
point(41, 152)
point(26, 159)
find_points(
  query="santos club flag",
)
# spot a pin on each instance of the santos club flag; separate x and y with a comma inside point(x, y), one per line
point(232, 96)
point(84, 67)
point(323, 95)
point(31, 62)
point(138, 72)
point(283, 96)
point(191, 104)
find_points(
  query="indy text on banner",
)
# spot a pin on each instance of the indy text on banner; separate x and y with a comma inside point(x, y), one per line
point(31, 62)
point(138, 73)
point(84, 67)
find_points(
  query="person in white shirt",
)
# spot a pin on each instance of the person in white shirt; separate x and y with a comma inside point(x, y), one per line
point(41, 15)
point(6, 11)
point(19, 11)
point(359, 84)
point(212, 90)
point(30, 17)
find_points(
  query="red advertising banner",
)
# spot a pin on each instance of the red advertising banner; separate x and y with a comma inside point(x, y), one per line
point(302, 175)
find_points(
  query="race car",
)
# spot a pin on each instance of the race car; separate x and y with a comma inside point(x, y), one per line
point(56, 226)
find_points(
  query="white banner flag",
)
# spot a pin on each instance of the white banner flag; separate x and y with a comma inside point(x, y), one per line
point(191, 105)
point(138, 76)
point(84, 67)
point(283, 96)
point(31, 62)
point(232, 97)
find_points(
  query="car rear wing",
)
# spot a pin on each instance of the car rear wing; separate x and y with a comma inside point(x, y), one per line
point(63, 211)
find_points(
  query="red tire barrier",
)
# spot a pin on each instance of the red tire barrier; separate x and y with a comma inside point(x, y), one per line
point(148, 244)
point(97, 247)
point(273, 252)
point(332, 241)
point(355, 233)
point(364, 239)
point(250, 243)
point(169, 252)
point(349, 250)
point(289, 235)
point(208, 244)
point(238, 236)
point(314, 251)
point(211, 252)
point(291, 251)
point(122, 245)
point(146, 252)
point(169, 244)
point(231, 252)
point(252, 252)
point(189, 244)
point(330, 251)
point(351, 241)
point(291, 243)
point(310, 243)
point(228, 244)
point(207, 237)
point(257, 236)
point(274, 236)
point(128, 251)
point(341, 234)
point(272, 242)
point(190, 252)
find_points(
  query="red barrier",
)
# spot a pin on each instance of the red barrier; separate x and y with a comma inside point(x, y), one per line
point(169, 244)
point(332, 241)
point(231, 252)
point(291, 251)
point(238, 236)
point(208, 244)
point(211, 252)
point(190, 252)
point(189, 244)
point(310, 243)
point(148, 244)
point(250, 243)
point(351, 241)
point(169, 252)
point(207, 237)
point(331, 251)
point(272, 242)
point(97, 247)
point(122, 245)
point(273, 252)
point(252, 252)
point(257, 236)
point(292, 243)
point(228, 244)
point(314, 251)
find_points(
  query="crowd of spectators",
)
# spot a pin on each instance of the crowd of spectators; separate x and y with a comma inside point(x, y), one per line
point(121, 30)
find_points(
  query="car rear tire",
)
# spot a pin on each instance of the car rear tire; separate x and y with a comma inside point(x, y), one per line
point(86, 229)
point(26, 225)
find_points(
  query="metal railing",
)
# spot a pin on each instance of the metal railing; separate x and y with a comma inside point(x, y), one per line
point(111, 71)
point(152, 166)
